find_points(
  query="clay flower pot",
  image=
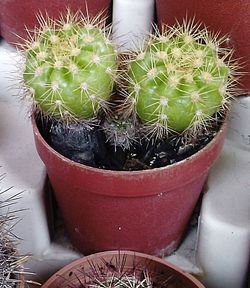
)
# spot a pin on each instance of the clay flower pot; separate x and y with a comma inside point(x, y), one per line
point(16, 15)
point(226, 17)
point(145, 211)
point(125, 265)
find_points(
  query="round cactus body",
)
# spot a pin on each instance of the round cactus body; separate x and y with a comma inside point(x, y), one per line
point(70, 68)
point(180, 79)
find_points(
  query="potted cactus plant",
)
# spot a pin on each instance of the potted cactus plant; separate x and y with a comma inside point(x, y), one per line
point(121, 269)
point(173, 97)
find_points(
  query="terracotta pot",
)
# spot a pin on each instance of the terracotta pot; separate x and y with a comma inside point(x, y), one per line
point(145, 211)
point(72, 274)
point(228, 17)
point(16, 15)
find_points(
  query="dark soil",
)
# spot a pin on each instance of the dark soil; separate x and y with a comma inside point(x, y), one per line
point(89, 146)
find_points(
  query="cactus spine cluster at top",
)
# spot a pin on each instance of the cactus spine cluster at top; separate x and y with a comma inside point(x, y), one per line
point(70, 66)
point(180, 79)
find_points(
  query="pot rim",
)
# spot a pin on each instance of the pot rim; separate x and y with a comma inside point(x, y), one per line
point(143, 256)
point(127, 173)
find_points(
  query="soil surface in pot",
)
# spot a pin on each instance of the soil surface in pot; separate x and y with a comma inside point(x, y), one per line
point(89, 146)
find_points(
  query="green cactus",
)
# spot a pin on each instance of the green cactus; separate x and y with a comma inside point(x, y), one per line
point(70, 66)
point(180, 79)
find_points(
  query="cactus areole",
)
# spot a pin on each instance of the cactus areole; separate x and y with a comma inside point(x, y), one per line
point(181, 78)
point(70, 67)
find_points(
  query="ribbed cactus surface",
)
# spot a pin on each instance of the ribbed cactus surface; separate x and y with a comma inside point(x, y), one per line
point(180, 79)
point(70, 66)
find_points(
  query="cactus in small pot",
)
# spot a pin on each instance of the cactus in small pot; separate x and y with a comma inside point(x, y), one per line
point(180, 79)
point(70, 66)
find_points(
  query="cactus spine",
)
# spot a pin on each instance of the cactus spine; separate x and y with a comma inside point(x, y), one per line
point(119, 272)
point(70, 66)
point(120, 132)
point(180, 79)
point(10, 261)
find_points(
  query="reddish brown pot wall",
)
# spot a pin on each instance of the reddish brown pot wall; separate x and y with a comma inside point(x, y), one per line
point(16, 14)
point(231, 17)
point(145, 211)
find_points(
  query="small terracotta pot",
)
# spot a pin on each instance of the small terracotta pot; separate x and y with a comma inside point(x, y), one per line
point(15, 15)
point(145, 211)
point(71, 275)
point(228, 17)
